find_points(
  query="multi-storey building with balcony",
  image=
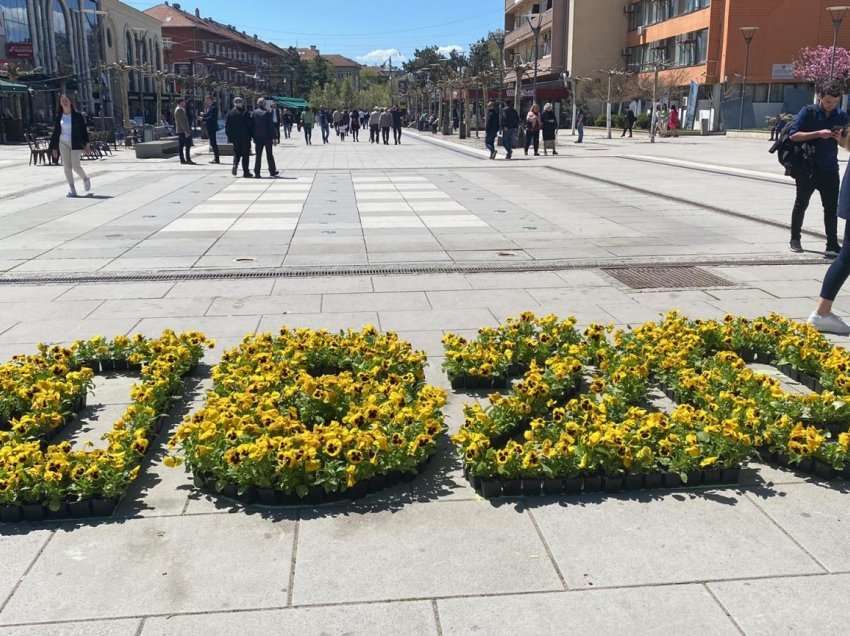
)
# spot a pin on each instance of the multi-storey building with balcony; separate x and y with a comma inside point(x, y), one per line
point(701, 41)
point(577, 38)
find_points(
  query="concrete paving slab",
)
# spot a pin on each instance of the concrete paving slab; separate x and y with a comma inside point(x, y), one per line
point(19, 547)
point(648, 610)
point(415, 618)
point(336, 553)
point(797, 605)
point(153, 566)
point(666, 538)
point(121, 627)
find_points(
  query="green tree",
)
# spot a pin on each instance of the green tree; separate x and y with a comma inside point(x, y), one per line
point(346, 94)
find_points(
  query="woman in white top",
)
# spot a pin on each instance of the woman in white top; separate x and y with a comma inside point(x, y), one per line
point(70, 138)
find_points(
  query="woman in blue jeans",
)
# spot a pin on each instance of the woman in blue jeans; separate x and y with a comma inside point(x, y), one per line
point(822, 318)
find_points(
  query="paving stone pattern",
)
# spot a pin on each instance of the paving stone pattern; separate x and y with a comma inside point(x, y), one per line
point(426, 557)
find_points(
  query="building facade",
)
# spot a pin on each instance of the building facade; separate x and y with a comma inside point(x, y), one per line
point(54, 46)
point(344, 68)
point(577, 39)
point(209, 57)
point(701, 41)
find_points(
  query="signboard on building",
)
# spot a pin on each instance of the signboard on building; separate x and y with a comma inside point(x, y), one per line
point(19, 50)
point(783, 72)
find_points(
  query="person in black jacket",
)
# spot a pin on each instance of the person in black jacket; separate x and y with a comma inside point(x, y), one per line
point(69, 139)
point(210, 119)
point(263, 135)
point(629, 123)
point(238, 129)
point(510, 123)
point(491, 129)
point(396, 113)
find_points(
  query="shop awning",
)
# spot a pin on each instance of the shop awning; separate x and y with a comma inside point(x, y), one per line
point(291, 102)
point(12, 87)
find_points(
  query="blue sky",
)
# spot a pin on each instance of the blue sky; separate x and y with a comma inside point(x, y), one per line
point(366, 30)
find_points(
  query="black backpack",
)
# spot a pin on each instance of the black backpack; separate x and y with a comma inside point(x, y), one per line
point(797, 158)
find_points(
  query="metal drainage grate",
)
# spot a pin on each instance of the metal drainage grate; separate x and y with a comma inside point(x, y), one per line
point(666, 277)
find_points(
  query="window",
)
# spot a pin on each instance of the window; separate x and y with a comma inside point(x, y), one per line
point(646, 12)
point(687, 49)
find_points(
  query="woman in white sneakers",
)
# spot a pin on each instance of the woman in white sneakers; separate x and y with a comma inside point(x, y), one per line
point(70, 138)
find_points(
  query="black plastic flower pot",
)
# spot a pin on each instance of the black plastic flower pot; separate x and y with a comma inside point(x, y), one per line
point(592, 483)
point(846, 473)
point(712, 476)
point(730, 475)
point(107, 365)
point(266, 496)
point(119, 365)
point(408, 476)
point(572, 485)
point(747, 355)
point(780, 459)
point(694, 478)
point(767, 455)
point(315, 495)
point(102, 507)
point(633, 481)
point(511, 487)
point(612, 483)
point(79, 509)
point(531, 486)
point(672, 480)
point(473, 481)
point(490, 488)
point(60, 513)
point(359, 490)
point(552, 486)
point(10, 513)
point(377, 482)
point(807, 466)
point(808, 381)
point(824, 470)
point(201, 482)
point(32, 512)
point(228, 490)
point(653, 480)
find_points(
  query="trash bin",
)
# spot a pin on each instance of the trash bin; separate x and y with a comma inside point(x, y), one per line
point(704, 126)
point(147, 133)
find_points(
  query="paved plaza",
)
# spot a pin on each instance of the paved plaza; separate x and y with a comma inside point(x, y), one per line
point(421, 239)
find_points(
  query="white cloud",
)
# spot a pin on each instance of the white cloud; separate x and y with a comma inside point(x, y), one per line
point(445, 51)
point(379, 56)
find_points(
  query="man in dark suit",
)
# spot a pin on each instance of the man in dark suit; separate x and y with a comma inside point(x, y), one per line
point(263, 134)
point(210, 118)
point(238, 129)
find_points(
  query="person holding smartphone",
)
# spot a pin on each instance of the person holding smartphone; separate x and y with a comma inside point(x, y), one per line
point(822, 125)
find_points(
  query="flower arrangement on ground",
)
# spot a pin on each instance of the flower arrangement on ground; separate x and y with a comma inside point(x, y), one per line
point(39, 395)
point(310, 413)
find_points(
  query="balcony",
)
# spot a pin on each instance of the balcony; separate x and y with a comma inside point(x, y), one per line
point(523, 32)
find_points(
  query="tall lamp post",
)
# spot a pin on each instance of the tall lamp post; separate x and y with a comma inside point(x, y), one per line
point(536, 30)
point(749, 32)
point(837, 13)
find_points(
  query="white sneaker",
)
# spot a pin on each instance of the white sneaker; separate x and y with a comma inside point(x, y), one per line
point(829, 324)
point(87, 184)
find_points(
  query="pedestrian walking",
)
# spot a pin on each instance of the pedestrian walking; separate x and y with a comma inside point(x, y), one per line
point(69, 139)
point(354, 116)
point(287, 123)
point(237, 126)
point(549, 124)
point(184, 132)
point(491, 129)
point(375, 126)
point(532, 130)
point(822, 318)
point(673, 122)
point(580, 125)
point(210, 119)
point(822, 125)
point(510, 124)
point(263, 134)
point(344, 122)
point(386, 121)
point(629, 123)
point(308, 119)
point(396, 115)
point(276, 123)
point(336, 117)
point(325, 125)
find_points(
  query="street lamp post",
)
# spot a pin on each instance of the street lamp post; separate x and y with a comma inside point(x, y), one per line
point(749, 32)
point(837, 13)
point(536, 31)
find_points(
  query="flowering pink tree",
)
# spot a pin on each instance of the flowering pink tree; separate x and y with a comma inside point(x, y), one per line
point(815, 65)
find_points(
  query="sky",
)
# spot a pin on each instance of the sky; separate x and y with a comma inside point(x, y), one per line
point(369, 31)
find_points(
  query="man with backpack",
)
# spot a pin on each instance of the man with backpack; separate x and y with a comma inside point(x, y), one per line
point(819, 127)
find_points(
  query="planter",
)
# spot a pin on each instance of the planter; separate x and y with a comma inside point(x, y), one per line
point(824, 470)
point(572, 485)
point(472, 382)
point(712, 476)
point(633, 481)
point(490, 488)
point(103, 507)
point(266, 496)
point(672, 480)
point(107, 365)
point(612, 483)
point(79, 509)
point(10, 513)
point(473, 481)
point(694, 478)
point(60, 513)
point(552, 486)
point(358, 491)
point(32, 512)
point(653, 480)
point(593, 484)
point(807, 465)
point(511, 487)
point(730, 476)
point(531, 486)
